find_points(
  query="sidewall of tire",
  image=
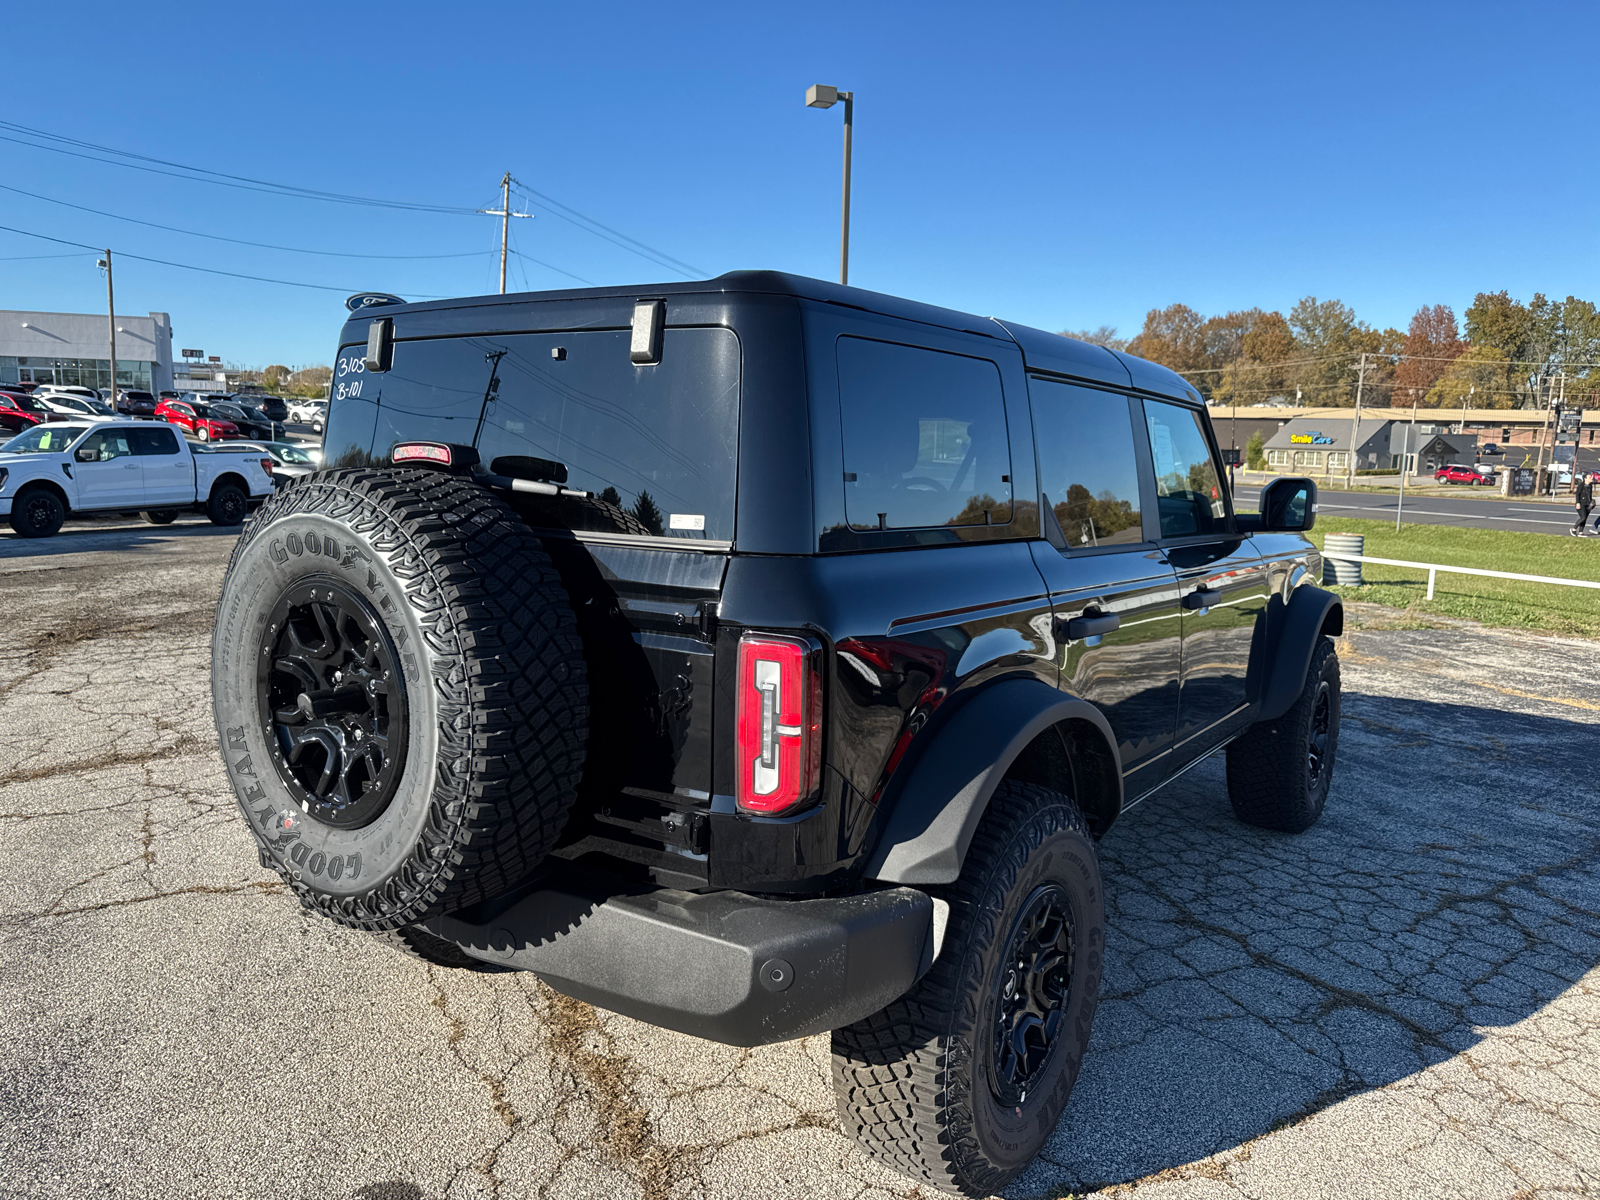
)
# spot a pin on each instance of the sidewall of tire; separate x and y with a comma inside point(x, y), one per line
point(1004, 1140)
point(289, 550)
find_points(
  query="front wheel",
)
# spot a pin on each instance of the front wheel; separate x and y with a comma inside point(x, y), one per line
point(38, 513)
point(959, 1083)
point(1279, 771)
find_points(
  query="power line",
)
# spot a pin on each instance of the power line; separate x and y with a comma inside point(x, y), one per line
point(217, 237)
point(34, 257)
point(549, 267)
point(206, 175)
point(248, 183)
point(322, 287)
point(613, 236)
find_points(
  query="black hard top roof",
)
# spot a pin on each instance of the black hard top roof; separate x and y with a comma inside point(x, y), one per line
point(1041, 351)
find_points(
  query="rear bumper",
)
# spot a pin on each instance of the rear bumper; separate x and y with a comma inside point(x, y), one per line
point(726, 966)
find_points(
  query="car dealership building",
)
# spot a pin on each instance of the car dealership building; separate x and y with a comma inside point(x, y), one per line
point(74, 348)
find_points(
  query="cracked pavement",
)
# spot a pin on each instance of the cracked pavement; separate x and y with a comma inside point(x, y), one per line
point(1404, 1001)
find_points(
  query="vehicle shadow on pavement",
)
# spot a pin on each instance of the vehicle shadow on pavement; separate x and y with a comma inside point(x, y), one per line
point(1253, 979)
point(87, 537)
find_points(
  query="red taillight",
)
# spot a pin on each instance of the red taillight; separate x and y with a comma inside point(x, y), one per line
point(266, 465)
point(779, 715)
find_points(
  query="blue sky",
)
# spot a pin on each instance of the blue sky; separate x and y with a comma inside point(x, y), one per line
point(1063, 165)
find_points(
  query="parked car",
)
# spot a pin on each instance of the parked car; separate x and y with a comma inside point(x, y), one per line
point(55, 470)
point(309, 412)
point(195, 418)
point(136, 403)
point(68, 405)
point(274, 406)
point(766, 662)
point(1490, 448)
point(290, 460)
point(1459, 473)
point(19, 411)
point(251, 422)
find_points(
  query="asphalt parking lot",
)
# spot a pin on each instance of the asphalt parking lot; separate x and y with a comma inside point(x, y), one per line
point(1403, 1002)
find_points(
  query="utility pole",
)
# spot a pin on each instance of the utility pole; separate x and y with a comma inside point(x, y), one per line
point(111, 319)
point(505, 214)
point(1355, 425)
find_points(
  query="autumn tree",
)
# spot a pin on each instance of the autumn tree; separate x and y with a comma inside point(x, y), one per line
point(1431, 344)
point(1172, 336)
point(1105, 336)
point(1257, 375)
point(1474, 378)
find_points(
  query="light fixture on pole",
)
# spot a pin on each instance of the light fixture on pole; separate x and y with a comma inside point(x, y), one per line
point(820, 95)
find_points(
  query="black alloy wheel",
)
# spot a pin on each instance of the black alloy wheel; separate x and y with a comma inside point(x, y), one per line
point(333, 703)
point(38, 513)
point(1034, 988)
point(228, 505)
point(1321, 732)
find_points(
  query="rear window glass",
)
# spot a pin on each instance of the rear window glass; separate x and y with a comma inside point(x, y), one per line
point(1087, 465)
point(924, 437)
point(655, 445)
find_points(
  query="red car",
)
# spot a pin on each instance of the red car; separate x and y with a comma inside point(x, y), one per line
point(19, 412)
point(1456, 473)
point(196, 419)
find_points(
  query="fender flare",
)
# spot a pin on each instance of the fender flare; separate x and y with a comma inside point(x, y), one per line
point(49, 485)
point(933, 816)
point(1310, 610)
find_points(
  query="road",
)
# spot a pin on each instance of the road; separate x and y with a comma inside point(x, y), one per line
point(1480, 512)
point(1404, 1001)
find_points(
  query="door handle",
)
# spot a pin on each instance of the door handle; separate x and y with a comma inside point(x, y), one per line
point(1202, 598)
point(1079, 628)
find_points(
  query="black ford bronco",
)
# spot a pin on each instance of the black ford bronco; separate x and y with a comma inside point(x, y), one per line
point(761, 657)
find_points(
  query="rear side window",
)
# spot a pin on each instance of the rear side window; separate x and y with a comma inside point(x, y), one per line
point(153, 440)
point(1188, 484)
point(1087, 466)
point(655, 444)
point(924, 437)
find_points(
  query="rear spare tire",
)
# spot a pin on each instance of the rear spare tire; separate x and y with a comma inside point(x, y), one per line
point(399, 690)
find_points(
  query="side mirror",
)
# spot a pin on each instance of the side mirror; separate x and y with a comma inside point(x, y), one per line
point(87, 454)
point(1288, 506)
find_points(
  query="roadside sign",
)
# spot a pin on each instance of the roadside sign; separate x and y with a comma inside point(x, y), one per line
point(1521, 481)
point(1564, 454)
point(1569, 419)
point(194, 353)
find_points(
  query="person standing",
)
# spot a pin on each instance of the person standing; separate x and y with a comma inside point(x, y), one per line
point(1583, 498)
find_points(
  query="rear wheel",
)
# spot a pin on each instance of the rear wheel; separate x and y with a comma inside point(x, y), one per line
point(37, 512)
point(959, 1083)
point(1279, 771)
point(227, 505)
point(400, 690)
point(203, 434)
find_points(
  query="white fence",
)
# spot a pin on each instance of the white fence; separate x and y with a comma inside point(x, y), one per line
point(1433, 570)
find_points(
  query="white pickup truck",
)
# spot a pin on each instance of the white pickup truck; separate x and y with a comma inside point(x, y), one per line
point(62, 468)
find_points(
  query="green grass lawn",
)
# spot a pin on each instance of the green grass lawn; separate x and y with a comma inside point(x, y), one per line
point(1507, 602)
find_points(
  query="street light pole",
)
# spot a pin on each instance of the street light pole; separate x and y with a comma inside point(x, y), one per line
point(820, 95)
point(111, 316)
